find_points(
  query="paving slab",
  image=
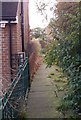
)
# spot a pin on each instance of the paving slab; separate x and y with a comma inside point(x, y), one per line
point(41, 98)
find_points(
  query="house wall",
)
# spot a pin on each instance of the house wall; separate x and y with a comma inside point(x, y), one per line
point(19, 37)
point(0, 62)
point(16, 42)
point(26, 25)
point(16, 45)
point(6, 77)
point(14, 50)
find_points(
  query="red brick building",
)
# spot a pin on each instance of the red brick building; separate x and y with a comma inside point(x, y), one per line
point(14, 38)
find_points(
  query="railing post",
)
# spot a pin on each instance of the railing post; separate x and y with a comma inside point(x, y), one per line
point(0, 108)
point(29, 82)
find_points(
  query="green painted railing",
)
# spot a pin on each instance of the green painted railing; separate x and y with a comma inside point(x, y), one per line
point(16, 93)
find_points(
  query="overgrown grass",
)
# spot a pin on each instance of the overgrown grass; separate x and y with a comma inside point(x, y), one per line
point(59, 82)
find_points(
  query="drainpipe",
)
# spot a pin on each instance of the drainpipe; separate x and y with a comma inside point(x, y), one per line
point(10, 45)
point(22, 32)
point(80, 26)
point(22, 25)
point(28, 47)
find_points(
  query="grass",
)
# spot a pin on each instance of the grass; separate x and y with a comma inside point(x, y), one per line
point(59, 87)
point(23, 114)
point(59, 83)
point(58, 78)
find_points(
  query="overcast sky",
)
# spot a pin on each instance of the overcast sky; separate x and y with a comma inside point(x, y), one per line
point(35, 19)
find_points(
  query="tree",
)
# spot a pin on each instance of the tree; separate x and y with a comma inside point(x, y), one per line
point(37, 33)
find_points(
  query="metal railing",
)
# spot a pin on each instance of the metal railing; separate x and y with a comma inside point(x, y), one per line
point(16, 93)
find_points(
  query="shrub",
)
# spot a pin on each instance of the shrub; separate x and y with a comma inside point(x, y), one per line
point(66, 52)
point(35, 46)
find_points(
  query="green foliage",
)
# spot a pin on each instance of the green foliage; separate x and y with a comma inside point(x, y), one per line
point(51, 56)
point(23, 115)
point(66, 52)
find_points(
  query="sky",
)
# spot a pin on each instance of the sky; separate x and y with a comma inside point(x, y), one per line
point(35, 19)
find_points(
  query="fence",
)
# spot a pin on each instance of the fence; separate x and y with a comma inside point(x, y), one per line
point(17, 91)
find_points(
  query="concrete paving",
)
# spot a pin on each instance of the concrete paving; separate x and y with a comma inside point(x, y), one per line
point(42, 99)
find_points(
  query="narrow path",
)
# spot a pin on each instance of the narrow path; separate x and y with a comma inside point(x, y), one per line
point(43, 99)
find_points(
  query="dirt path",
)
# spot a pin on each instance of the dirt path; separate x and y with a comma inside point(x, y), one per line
point(46, 90)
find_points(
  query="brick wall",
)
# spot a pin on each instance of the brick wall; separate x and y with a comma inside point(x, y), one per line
point(0, 62)
point(16, 41)
point(14, 49)
point(16, 46)
point(26, 25)
point(5, 58)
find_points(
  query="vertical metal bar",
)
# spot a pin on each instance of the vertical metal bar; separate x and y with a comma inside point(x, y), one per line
point(2, 109)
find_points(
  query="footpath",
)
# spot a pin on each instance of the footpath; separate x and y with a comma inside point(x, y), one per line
point(44, 97)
